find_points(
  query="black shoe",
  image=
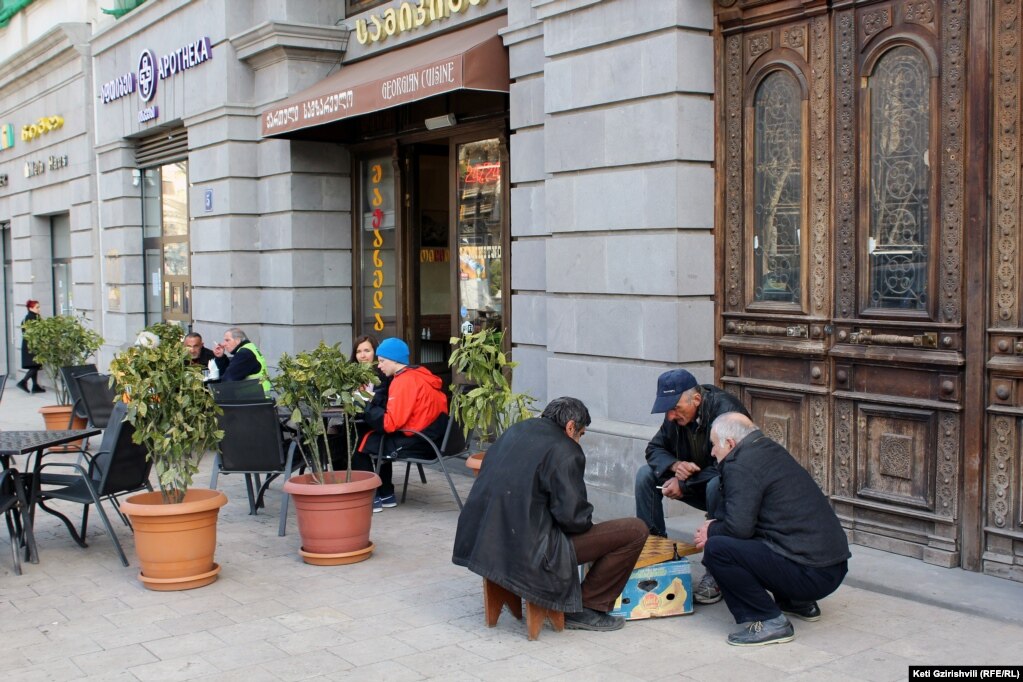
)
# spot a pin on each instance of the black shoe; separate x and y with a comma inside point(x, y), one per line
point(760, 632)
point(23, 386)
point(809, 612)
point(588, 619)
point(38, 389)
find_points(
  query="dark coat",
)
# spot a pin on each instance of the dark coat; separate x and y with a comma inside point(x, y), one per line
point(690, 443)
point(205, 355)
point(769, 496)
point(240, 366)
point(529, 498)
point(28, 361)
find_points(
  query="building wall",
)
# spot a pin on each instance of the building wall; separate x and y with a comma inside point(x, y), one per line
point(612, 204)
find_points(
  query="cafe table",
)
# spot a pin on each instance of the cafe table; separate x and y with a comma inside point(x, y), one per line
point(14, 443)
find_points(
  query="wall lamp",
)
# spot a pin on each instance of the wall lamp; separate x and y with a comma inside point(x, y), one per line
point(438, 122)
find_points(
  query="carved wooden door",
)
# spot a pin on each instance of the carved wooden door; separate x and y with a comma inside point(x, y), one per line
point(840, 244)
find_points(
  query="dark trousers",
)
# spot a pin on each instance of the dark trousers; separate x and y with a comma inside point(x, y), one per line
point(411, 446)
point(701, 491)
point(613, 547)
point(32, 374)
point(746, 570)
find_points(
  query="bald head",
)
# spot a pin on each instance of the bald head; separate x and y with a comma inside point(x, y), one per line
point(727, 431)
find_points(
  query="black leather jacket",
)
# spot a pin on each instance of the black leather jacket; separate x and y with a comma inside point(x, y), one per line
point(529, 498)
point(690, 443)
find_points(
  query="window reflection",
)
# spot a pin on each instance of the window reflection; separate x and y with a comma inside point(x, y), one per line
point(778, 188)
point(480, 262)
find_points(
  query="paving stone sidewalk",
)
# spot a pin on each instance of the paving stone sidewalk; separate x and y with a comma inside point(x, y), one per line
point(409, 614)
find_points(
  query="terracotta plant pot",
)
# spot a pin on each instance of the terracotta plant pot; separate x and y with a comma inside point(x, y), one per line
point(175, 542)
point(474, 462)
point(334, 517)
point(56, 417)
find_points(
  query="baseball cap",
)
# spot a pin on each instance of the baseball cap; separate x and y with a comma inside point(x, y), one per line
point(670, 387)
point(393, 349)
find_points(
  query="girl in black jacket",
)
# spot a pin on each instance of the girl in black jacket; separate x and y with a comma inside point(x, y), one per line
point(28, 361)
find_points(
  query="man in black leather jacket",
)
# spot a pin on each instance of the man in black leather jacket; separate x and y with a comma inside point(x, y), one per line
point(679, 464)
point(527, 524)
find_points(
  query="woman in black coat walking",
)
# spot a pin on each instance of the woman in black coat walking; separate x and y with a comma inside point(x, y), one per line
point(28, 361)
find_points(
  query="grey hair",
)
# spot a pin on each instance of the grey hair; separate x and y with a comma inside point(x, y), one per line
point(236, 333)
point(565, 409)
point(734, 425)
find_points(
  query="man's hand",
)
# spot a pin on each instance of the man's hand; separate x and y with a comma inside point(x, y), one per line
point(684, 470)
point(672, 488)
point(700, 538)
point(218, 350)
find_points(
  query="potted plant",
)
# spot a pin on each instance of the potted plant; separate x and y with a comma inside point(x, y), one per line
point(334, 508)
point(175, 418)
point(56, 342)
point(487, 406)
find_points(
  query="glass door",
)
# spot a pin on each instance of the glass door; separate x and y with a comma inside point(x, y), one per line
point(166, 243)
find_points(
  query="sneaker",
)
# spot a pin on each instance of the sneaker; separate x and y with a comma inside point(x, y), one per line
point(377, 506)
point(589, 619)
point(809, 612)
point(23, 386)
point(777, 630)
point(388, 501)
point(707, 592)
point(38, 389)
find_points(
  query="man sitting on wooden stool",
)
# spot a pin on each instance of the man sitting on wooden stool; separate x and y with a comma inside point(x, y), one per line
point(527, 524)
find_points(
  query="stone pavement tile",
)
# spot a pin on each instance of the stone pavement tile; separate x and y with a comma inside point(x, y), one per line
point(886, 625)
point(874, 665)
point(830, 636)
point(371, 626)
point(792, 657)
point(195, 642)
point(384, 671)
point(628, 640)
point(442, 662)
point(813, 675)
point(202, 601)
point(190, 623)
point(40, 618)
point(520, 667)
point(174, 669)
point(113, 659)
point(373, 650)
point(236, 656)
point(14, 640)
point(309, 618)
point(252, 673)
point(495, 644)
point(261, 628)
point(306, 666)
point(52, 670)
point(442, 611)
point(135, 634)
point(268, 608)
point(111, 676)
point(67, 646)
point(379, 602)
point(74, 610)
point(430, 637)
point(597, 672)
point(568, 654)
point(312, 639)
point(141, 615)
point(737, 668)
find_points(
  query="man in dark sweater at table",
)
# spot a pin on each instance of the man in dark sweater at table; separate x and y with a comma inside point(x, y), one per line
point(776, 546)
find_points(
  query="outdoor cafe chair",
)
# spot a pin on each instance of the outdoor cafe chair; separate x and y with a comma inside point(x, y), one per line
point(3, 383)
point(245, 391)
point(14, 507)
point(253, 444)
point(69, 374)
point(97, 397)
point(452, 446)
point(118, 467)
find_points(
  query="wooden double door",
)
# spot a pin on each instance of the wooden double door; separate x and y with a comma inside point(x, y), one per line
point(869, 291)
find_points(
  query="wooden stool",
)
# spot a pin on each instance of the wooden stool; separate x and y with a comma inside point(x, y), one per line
point(495, 596)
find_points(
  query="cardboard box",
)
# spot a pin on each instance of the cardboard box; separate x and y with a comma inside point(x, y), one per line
point(657, 591)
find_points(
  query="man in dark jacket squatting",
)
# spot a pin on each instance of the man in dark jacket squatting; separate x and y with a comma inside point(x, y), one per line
point(527, 524)
point(679, 464)
point(777, 535)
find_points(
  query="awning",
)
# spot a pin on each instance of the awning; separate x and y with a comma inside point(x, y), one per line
point(472, 58)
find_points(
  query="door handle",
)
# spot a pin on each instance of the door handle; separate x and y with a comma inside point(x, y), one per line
point(865, 337)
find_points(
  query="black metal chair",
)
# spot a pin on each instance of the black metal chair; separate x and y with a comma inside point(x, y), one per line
point(118, 467)
point(97, 397)
point(69, 374)
point(14, 507)
point(3, 383)
point(246, 391)
point(253, 444)
point(452, 446)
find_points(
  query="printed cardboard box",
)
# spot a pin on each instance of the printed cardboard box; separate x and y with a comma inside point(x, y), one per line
point(664, 589)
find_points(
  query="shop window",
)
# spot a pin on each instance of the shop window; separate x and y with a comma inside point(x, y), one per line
point(778, 188)
point(356, 6)
point(479, 234)
point(60, 258)
point(165, 235)
point(900, 180)
point(378, 244)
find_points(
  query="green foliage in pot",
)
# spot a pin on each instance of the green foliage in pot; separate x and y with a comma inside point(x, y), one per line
point(489, 406)
point(174, 414)
point(61, 341)
point(312, 381)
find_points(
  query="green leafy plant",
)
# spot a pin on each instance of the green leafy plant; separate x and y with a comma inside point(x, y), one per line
point(61, 341)
point(312, 381)
point(174, 414)
point(489, 406)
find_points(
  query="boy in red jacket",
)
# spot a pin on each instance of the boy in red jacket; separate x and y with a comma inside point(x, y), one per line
point(409, 399)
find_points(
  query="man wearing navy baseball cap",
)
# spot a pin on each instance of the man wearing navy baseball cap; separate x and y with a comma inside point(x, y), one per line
point(679, 464)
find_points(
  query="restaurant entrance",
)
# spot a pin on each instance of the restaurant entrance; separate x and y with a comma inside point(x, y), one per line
point(431, 234)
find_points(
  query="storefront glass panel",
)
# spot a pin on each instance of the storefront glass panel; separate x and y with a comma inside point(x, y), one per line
point(166, 250)
point(479, 235)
